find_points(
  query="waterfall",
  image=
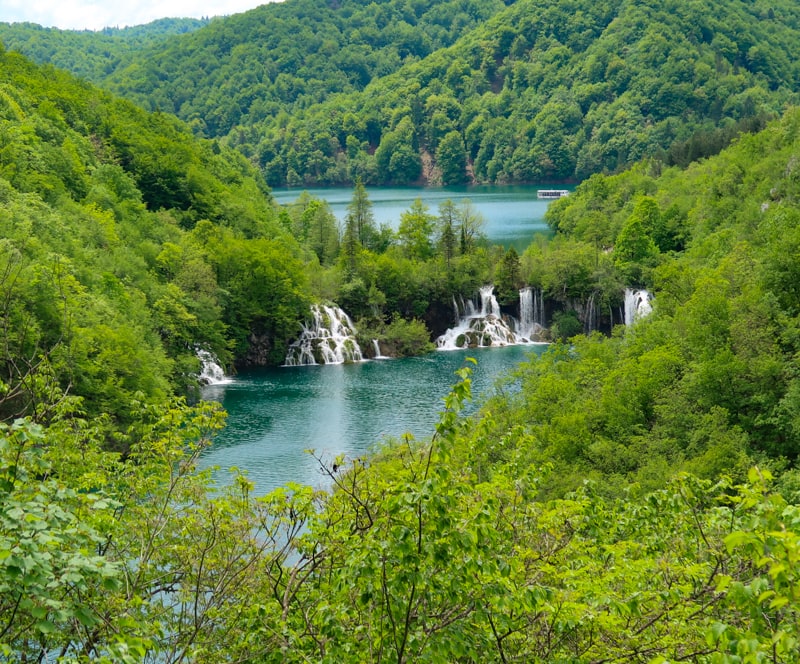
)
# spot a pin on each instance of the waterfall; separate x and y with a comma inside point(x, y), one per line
point(481, 325)
point(211, 373)
point(637, 305)
point(526, 320)
point(590, 324)
point(462, 309)
point(538, 308)
point(328, 339)
point(489, 306)
point(376, 349)
point(531, 313)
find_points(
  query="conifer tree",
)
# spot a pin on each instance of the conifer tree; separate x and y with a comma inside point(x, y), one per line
point(447, 231)
point(360, 215)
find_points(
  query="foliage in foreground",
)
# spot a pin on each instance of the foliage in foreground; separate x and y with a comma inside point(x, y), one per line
point(483, 544)
point(411, 558)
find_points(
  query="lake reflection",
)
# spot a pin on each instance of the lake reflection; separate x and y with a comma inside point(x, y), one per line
point(277, 414)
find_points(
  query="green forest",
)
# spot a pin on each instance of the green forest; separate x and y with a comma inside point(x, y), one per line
point(631, 495)
point(442, 93)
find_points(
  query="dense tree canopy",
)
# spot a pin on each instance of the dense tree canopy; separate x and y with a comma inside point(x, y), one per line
point(542, 92)
point(91, 55)
point(630, 497)
point(523, 91)
point(126, 245)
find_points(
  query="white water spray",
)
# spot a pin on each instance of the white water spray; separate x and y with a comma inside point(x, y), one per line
point(211, 373)
point(489, 306)
point(481, 325)
point(376, 349)
point(531, 313)
point(637, 305)
point(329, 339)
point(590, 315)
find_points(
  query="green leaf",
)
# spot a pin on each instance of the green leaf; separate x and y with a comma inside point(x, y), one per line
point(39, 612)
point(45, 627)
point(765, 595)
point(736, 539)
point(85, 616)
point(778, 602)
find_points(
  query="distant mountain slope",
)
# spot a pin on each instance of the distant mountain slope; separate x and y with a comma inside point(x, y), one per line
point(539, 90)
point(88, 54)
point(554, 90)
point(251, 66)
point(248, 67)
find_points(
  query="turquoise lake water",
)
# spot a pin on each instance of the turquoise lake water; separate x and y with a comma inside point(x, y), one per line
point(277, 414)
point(513, 214)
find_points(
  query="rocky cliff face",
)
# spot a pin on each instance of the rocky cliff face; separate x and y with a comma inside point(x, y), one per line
point(259, 351)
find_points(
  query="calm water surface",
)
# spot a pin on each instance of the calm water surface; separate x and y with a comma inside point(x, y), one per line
point(277, 414)
point(513, 214)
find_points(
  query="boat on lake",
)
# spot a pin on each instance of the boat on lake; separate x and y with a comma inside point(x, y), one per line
point(551, 194)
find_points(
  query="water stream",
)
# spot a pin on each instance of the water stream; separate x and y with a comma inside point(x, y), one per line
point(211, 372)
point(481, 324)
point(531, 312)
point(637, 305)
point(329, 338)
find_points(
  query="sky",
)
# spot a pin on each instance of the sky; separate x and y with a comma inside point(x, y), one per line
point(98, 14)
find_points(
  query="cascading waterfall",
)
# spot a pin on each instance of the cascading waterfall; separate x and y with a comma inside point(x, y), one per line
point(637, 305)
point(538, 308)
point(531, 313)
point(211, 373)
point(482, 326)
point(489, 306)
point(526, 321)
point(329, 339)
point(376, 350)
point(463, 309)
point(590, 322)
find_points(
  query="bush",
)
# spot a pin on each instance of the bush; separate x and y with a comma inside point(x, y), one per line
point(565, 325)
point(400, 338)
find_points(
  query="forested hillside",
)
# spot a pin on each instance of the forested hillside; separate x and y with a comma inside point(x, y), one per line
point(552, 91)
point(246, 68)
point(127, 244)
point(622, 498)
point(541, 90)
point(464, 547)
point(709, 382)
point(88, 54)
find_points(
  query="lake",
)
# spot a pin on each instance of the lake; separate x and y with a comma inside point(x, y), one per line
point(513, 214)
point(274, 415)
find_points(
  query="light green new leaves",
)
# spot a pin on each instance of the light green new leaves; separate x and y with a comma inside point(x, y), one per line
point(766, 597)
point(49, 539)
